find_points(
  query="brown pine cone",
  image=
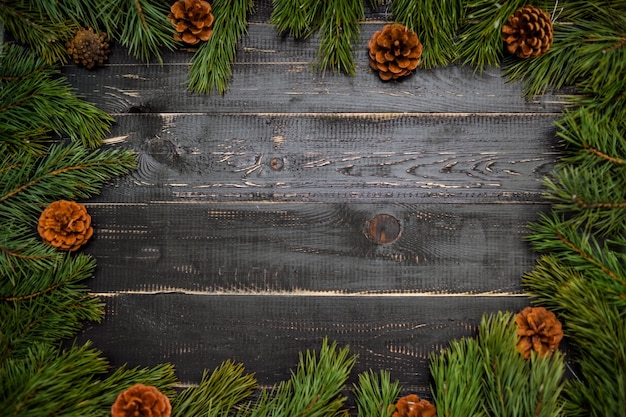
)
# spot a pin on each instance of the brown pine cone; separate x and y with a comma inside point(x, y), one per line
point(539, 330)
point(193, 20)
point(141, 401)
point(528, 32)
point(394, 51)
point(88, 48)
point(65, 225)
point(412, 406)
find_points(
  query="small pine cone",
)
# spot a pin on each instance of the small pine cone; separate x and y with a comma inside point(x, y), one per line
point(538, 329)
point(528, 32)
point(88, 48)
point(65, 225)
point(141, 401)
point(394, 51)
point(412, 406)
point(193, 20)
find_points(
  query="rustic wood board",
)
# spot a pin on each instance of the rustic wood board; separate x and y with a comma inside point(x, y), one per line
point(243, 232)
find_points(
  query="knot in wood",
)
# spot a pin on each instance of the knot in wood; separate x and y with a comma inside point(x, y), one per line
point(383, 228)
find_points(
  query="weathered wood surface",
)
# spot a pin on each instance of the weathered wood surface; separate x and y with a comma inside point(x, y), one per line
point(243, 232)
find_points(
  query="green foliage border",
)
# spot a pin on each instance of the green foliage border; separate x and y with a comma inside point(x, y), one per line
point(581, 274)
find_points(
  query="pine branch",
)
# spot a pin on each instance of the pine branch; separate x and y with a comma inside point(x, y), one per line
point(34, 99)
point(67, 172)
point(375, 394)
point(46, 382)
point(601, 353)
point(297, 18)
point(340, 29)
point(314, 389)
point(211, 67)
point(579, 250)
point(586, 47)
point(55, 308)
point(51, 382)
point(480, 39)
point(515, 386)
point(436, 24)
point(457, 373)
point(141, 26)
point(218, 393)
point(28, 25)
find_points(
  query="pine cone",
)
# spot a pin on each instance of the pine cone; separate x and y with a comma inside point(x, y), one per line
point(141, 401)
point(412, 406)
point(193, 20)
point(528, 32)
point(394, 51)
point(539, 330)
point(65, 225)
point(88, 48)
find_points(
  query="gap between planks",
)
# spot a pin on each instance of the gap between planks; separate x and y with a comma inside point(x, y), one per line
point(305, 293)
point(355, 115)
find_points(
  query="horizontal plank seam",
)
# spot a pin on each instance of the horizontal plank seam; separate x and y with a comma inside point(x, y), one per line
point(349, 115)
point(306, 294)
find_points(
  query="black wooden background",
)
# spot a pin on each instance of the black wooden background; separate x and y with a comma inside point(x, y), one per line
point(245, 231)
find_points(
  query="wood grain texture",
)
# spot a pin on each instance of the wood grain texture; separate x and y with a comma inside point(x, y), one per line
point(243, 231)
point(266, 332)
point(341, 157)
point(256, 247)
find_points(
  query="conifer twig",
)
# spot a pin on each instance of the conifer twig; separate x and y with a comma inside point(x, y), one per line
point(211, 67)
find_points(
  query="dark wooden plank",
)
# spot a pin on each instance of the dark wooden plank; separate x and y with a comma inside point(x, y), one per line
point(194, 332)
point(271, 73)
point(256, 247)
point(404, 157)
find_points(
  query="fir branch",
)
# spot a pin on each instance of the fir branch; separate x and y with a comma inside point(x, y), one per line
point(314, 389)
point(34, 99)
point(340, 28)
point(584, 48)
point(67, 172)
point(218, 393)
point(457, 373)
point(580, 251)
point(601, 354)
point(31, 283)
point(46, 319)
point(480, 39)
point(593, 138)
point(595, 199)
point(375, 394)
point(211, 67)
point(297, 18)
point(28, 25)
point(436, 24)
point(515, 386)
point(21, 255)
point(141, 26)
point(46, 382)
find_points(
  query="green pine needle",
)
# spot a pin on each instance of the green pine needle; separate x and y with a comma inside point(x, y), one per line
point(457, 373)
point(140, 26)
point(218, 393)
point(67, 172)
point(211, 67)
point(297, 18)
point(28, 25)
point(480, 39)
point(375, 394)
point(35, 100)
point(436, 23)
point(340, 29)
point(314, 390)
